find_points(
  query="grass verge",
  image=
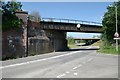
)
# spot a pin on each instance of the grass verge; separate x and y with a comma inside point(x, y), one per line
point(108, 49)
point(73, 46)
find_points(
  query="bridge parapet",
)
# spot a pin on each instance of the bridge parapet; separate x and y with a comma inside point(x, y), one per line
point(71, 21)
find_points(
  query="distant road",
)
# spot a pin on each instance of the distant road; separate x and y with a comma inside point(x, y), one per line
point(80, 44)
point(77, 63)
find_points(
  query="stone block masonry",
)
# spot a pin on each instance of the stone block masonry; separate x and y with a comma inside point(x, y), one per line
point(38, 42)
point(12, 46)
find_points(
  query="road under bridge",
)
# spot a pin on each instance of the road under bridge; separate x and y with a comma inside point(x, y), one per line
point(87, 41)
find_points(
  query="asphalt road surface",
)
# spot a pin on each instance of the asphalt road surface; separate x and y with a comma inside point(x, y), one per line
point(77, 63)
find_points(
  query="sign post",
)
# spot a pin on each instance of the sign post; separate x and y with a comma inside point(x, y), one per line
point(116, 37)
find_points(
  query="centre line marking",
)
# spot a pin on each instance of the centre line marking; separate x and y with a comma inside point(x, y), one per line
point(75, 67)
point(59, 76)
point(19, 64)
point(67, 72)
point(76, 74)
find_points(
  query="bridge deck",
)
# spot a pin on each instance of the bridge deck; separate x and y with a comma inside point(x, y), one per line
point(68, 25)
point(71, 27)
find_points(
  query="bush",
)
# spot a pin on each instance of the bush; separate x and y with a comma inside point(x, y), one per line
point(70, 40)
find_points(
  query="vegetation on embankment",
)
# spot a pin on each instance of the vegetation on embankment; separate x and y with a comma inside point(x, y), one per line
point(71, 42)
point(73, 46)
point(106, 48)
point(110, 50)
point(109, 29)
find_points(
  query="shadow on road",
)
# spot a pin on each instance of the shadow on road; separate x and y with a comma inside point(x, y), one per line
point(78, 49)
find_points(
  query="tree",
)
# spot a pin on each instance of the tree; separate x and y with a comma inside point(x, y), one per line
point(94, 36)
point(9, 19)
point(109, 22)
point(34, 16)
point(70, 40)
point(0, 16)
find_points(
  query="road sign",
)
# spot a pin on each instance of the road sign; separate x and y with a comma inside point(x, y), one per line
point(78, 25)
point(116, 35)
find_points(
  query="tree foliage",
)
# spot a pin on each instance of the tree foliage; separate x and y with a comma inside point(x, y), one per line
point(70, 40)
point(9, 19)
point(34, 16)
point(109, 22)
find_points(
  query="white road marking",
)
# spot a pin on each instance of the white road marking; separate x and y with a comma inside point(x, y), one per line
point(18, 64)
point(75, 67)
point(76, 74)
point(67, 72)
point(59, 76)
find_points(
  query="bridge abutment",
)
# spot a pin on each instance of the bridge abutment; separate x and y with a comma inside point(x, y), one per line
point(58, 39)
point(44, 41)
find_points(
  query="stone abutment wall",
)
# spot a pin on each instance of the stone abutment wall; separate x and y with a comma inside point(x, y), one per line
point(38, 42)
point(12, 46)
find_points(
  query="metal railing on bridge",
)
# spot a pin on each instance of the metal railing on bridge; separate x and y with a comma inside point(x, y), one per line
point(71, 21)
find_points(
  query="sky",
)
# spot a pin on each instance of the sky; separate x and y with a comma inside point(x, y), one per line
point(86, 11)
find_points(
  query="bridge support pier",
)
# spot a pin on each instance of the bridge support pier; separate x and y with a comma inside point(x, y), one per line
point(58, 39)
